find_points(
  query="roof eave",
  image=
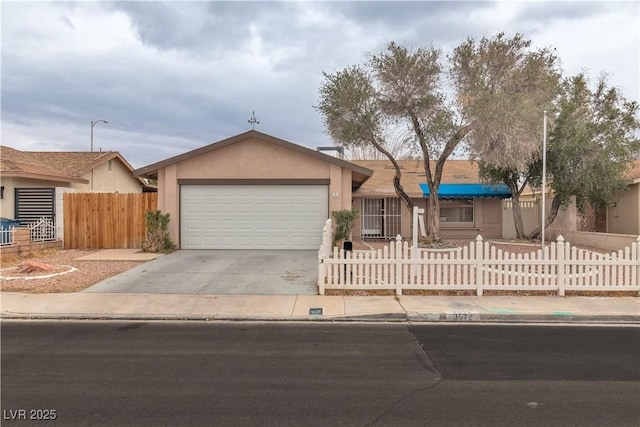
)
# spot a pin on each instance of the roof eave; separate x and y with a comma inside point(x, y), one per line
point(45, 177)
point(151, 170)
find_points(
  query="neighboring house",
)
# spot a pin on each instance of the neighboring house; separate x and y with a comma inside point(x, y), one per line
point(468, 206)
point(624, 216)
point(252, 191)
point(32, 182)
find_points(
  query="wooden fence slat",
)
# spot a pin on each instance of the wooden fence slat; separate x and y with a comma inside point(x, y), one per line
point(106, 220)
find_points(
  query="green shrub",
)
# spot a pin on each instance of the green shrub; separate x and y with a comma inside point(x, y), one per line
point(157, 239)
point(345, 220)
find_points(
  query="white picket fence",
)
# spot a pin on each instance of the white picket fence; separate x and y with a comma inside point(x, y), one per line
point(6, 236)
point(481, 266)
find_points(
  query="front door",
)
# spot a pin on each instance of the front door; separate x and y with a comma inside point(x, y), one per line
point(381, 218)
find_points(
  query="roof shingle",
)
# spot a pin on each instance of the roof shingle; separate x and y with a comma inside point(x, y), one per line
point(412, 174)
point(66, 166)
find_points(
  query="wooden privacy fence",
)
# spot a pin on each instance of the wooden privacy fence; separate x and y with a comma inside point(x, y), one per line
point(479, 266)
point(106, 220)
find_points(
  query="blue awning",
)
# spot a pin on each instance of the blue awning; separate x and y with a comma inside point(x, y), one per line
point(468, 191)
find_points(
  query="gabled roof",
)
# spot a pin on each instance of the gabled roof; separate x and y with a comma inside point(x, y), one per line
point(412, 175)
point(360, 173)
point(65, 166)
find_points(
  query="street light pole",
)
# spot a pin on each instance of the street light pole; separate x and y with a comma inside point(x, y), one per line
point(93, 123)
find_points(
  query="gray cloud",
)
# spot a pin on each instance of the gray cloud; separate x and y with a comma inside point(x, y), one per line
point(172, 76)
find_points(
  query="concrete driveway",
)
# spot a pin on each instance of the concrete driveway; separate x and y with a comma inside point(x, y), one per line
point(220, 272)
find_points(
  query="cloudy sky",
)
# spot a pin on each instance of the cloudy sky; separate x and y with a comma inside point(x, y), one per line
point(173, 76)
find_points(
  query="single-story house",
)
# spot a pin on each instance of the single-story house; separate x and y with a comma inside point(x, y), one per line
point(255, 191)
point(252, 191)
point(468, 206)
point(623, 217)
point(32, 183)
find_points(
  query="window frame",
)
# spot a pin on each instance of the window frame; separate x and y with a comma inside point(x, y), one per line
point(458, 224)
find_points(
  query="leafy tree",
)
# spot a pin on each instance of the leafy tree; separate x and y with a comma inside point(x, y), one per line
point(353, 116)
point(396, 88)
point(503, 87)
point(497, 82)
point(591, 142)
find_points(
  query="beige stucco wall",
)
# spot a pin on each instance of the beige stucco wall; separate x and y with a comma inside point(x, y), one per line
point(624, 217)
point(116, 180)
point(250, 159)
point(7, 203)
point(487, 220)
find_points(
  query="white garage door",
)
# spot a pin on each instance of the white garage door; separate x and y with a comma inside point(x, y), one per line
point(252, 216)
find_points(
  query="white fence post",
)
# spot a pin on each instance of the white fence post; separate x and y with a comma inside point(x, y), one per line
point(560, 253)
point(635, 255)
point(327, 239)
point(321, 272)
point(479, 264)
point(397, 257)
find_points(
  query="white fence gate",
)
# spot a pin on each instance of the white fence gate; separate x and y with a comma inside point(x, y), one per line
point(479, 266)
point(42, 230)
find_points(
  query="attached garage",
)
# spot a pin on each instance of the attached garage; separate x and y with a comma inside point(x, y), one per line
point(252, 216)
point(252, 191)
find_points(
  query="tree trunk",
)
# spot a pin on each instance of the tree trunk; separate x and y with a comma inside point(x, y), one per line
point(517, 215)
point(396, 179)
point(555, 206)
point(433, 226)
point(433, 223)
point(400, 191)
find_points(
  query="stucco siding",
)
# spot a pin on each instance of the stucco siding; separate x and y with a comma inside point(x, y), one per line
point(624, 217)
point(7, 203)
point(252, 159)
point(255, 160)
point(487, 220)
point(111, 177)
point(491, 226)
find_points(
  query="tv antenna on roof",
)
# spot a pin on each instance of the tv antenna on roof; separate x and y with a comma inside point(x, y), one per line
point(253, 120)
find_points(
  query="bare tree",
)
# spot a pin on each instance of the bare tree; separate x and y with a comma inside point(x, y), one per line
point(397, 143)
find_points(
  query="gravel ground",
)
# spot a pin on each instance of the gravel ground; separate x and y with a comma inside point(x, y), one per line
point(87, 273)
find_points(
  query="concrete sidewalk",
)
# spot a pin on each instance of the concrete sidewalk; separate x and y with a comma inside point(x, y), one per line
point(624, 310)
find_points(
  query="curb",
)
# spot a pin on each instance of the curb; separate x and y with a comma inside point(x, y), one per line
point(521, 318)
point(411, 317)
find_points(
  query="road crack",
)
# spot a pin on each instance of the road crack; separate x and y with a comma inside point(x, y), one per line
point(403, 398)
point(425, 360)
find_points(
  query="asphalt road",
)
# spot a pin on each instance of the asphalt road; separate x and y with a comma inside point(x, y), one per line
point(318, 374)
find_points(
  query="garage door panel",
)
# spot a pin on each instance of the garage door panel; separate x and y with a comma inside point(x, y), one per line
point(253, 216)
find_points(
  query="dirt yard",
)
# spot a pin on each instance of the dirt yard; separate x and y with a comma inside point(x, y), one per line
point(86, 274)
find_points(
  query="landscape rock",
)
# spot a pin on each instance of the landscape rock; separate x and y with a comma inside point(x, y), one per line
point(35, 267)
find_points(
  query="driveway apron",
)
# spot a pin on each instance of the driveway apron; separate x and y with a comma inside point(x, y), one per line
point(220, 272)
